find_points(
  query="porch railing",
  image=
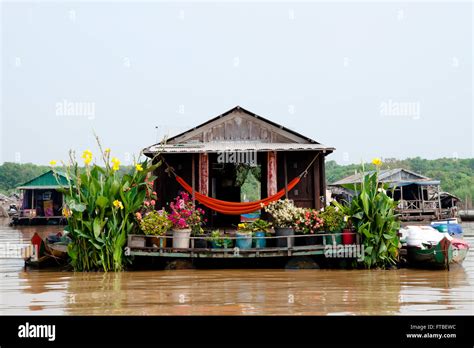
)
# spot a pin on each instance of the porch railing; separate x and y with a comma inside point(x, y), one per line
point(418, 205)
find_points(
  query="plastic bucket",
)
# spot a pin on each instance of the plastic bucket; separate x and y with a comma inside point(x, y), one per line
point(283, 232)
point(348, 237)
point(260, 242)
point(181, 238)
point(243, 241)
point(337, 238)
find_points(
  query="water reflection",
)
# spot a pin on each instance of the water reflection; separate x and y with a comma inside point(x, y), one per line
point(232, 292)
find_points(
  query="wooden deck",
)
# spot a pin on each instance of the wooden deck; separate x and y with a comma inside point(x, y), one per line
point(226, 253)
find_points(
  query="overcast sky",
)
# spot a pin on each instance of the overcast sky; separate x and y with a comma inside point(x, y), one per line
point(371, 79)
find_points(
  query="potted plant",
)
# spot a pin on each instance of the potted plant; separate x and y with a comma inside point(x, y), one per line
point(184, 217)
point(309, 221)
point(155, 223)
point(333, 219)
point(260, 229)
point(244, 236)
point(218, 241)
point(200, 237)
point(284, 214)
point(348, 233)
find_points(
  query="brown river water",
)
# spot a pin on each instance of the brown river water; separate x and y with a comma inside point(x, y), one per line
point(232, 292)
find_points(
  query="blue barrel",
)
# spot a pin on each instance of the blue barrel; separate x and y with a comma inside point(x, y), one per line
point(243, 241)
point(260, 242)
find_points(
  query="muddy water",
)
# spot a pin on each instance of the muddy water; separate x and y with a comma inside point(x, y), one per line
point(232, 292)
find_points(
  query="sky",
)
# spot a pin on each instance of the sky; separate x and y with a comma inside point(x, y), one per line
point(371, 79)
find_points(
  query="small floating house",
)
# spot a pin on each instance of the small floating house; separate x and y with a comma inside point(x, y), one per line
point(239, 156)
point(41, 201)
point(420, 197)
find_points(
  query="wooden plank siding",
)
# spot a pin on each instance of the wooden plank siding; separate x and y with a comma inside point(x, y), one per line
point(309, 187)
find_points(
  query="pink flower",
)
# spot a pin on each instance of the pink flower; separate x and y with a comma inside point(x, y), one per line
point(152, 202)
point(139, 216)
point(147, 203)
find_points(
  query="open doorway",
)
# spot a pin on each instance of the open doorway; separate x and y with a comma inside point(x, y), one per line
point(235, 182)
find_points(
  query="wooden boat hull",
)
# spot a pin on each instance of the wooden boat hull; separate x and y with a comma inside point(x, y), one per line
point(460, 250)
point(56, 250)
point(439, 255)
point(41, 262)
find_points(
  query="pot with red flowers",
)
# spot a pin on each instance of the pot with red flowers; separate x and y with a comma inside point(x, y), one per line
point(185, 217)
point(309, 222)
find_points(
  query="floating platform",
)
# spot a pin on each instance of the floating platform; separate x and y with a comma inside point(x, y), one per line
point(139, 246)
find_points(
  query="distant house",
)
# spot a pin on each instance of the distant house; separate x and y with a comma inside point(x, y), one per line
point(420, 197)
point(41, 200)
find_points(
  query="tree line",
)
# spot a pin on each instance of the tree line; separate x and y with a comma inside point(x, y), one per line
point(456, 175)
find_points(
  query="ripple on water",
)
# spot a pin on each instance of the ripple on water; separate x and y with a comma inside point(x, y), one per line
point(231, 292)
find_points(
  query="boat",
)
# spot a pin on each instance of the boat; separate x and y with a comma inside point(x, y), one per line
point(57, 250)
point(48, 252)
point(450, 226)
point(426, 247)
point(460, 249)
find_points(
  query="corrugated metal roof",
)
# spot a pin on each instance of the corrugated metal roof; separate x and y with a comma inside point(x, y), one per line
point(234, 146)
point(45, 181)
point(385, 175)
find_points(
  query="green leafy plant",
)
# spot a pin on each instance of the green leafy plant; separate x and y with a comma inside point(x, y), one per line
point(333, 218)
point(260, 225)
point(218, 240)
point(100, 207)
point(155, 223)
point(372, 214)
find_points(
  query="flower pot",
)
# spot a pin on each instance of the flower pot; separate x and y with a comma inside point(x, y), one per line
point(200, 243)
point(181, 238)
point(155, 242)
point(336, 240)
point(244, 240)
point(259, 241)
point(311, 239)
point(282, 232)
point(348, 236)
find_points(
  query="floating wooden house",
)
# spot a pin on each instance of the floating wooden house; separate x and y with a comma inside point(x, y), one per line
point(420, 197)
point(239, 156)
point(41, 201)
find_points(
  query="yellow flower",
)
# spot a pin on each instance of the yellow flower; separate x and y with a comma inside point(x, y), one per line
point(52, 163)
point(66, 212)
point(107, 150)
point(115, 164)
point(118, 204)
point(87, 157)
point(377, 161)
point(138, 167)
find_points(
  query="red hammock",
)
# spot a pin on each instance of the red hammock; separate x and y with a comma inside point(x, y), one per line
point(235, 208)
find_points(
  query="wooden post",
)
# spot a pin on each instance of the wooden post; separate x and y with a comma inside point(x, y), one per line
point(271, 173)
point(422, 199)
point(322, 170)
point(317, 185)
point(32, 198)
point(285, 170)
point(193, 176)
point(439, 201)
point(401, 196)
point(204, 173)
